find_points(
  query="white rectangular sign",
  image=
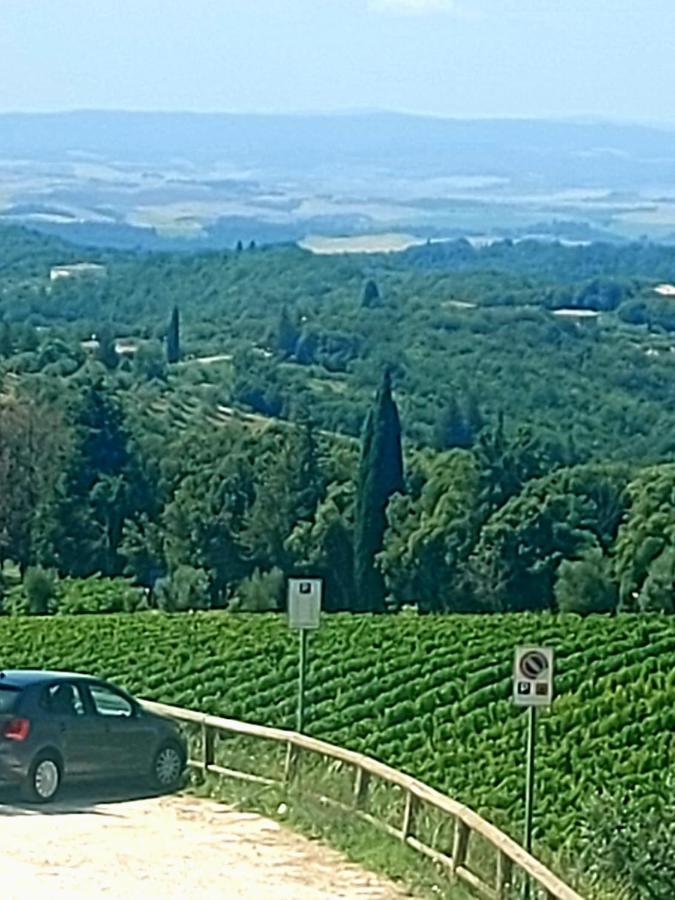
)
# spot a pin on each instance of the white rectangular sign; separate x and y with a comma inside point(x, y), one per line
point(304, 602)
point(533, 676)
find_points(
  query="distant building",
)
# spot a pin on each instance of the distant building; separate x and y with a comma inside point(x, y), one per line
point(126, 346)
point(77, 270)
point(581, 317)
point(123, 346)
point(665, 290)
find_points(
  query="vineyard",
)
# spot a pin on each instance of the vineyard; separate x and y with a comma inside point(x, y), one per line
point(427, 695)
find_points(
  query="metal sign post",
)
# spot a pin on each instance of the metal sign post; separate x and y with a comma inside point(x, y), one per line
point(532, 688)
point(529, 776)
point(302, 672)
point(304, 615)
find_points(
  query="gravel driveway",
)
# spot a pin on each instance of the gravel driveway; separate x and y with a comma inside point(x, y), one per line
point(168, 847)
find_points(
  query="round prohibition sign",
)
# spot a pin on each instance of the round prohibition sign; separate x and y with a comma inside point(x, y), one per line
point(533, 665)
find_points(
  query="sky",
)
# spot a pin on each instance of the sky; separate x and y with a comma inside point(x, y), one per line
point(461, 58)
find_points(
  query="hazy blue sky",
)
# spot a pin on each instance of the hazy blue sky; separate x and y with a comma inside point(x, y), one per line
point(613, 58)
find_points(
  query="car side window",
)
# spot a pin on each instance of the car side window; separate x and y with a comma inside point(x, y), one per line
point(109, 703)
point(63, 699)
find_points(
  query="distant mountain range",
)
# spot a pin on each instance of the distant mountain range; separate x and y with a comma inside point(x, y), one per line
point(104, 176)
point(549, 152)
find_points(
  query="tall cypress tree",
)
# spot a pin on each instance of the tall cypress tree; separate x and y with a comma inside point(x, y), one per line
point(474, 417)
point(173, 337)
point(287, 333)
point(371, 294)
point(106, 351)
point(380, 476)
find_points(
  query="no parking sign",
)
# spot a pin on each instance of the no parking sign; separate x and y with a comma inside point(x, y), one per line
point(533, 676)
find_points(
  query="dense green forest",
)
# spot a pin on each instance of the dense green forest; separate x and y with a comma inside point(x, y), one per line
point(195, 424)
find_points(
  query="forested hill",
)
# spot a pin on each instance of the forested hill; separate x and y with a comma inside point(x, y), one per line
point(460, 327)
point(564, 263)
point(183, 420)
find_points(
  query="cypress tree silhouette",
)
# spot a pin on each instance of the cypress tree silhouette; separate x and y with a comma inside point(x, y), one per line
point(173, 337)
point(380, 476)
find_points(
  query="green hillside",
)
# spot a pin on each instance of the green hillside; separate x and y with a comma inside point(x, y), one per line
point(428, 695)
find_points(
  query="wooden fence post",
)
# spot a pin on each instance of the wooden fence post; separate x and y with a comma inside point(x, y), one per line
point(208, 745)
point(289, 764)
point(361, 782)
point(409, 814)
point(460, 844)
point(504, 875)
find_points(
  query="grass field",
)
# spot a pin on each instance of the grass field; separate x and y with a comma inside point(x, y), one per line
point(430, 696)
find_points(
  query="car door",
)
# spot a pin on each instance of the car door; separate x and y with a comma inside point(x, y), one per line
point(72, 728)
point(128, 734)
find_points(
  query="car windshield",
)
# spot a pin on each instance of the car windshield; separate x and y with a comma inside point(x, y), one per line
point(8, 696)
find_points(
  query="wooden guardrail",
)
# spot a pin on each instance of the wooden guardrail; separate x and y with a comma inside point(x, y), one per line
point(510, 856)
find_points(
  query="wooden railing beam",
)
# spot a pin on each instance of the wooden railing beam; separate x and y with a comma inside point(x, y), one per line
point(511, 853)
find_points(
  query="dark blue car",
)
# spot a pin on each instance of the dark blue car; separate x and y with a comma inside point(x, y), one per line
point(60, 726)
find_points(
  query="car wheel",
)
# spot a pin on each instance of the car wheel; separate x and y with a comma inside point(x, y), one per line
point(167, 767)
point(44, 779)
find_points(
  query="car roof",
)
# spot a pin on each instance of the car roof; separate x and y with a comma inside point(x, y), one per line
point(25, 677)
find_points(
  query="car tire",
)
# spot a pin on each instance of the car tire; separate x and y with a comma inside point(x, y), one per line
point(167, 767)
point(43, 780)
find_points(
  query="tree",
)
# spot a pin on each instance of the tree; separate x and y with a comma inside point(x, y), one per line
point(309, 477)
point(39, 587)
point(658, 590)
point(287, 334)
point(34, 442)
point(431, 533)
point(307, 347)
point(452, 429)
point(106, 352)
point(204, 520)
point(149, 362)
point(380, 476)
point(561, 516)
point(6, 340)
point(186, 588)
point(100, 488)
point(288, 487)
point(508, 461)
point(256, 383)
point(324, 545)
point(646, 540)
point(371, 295)
point(142, 548)
point(586, 585)
point(473, 416)
point(26, 337)
point(261, 592)
point(173, 338)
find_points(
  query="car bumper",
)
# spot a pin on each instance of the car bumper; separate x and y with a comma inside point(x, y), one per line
point(13, 768)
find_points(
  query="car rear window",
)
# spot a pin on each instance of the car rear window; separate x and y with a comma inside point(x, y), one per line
point(8, 697)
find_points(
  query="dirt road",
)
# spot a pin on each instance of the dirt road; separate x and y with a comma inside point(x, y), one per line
point(167, 847)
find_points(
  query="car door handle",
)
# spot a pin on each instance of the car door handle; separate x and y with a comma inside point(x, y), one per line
point(62, 727)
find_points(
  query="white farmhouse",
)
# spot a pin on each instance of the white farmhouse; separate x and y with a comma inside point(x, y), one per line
point(77, 270)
